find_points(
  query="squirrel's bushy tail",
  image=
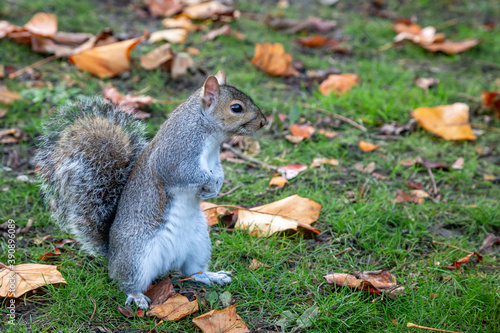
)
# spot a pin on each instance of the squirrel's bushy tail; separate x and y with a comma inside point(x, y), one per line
point(85, 156)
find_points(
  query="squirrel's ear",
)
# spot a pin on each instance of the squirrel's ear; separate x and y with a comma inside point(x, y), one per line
point(210, 91)
point(221, 77)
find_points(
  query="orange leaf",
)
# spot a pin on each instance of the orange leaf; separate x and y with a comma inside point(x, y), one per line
point(6, 28)
point(321, 160)
point(278, 181)
point(328, 134)
point(316, 41)
point(292, 170)
point(8, 96)
point(302, 131)
point(464, 260)
point(491, 100)
point(372, 281)
point(450, 47)
point(174, 308)
point(367, 146)
point(272, 60)
point(42, 24)
point(206, 10)
point(450, 122)
point(221, 321)
point(257, 264)
point(402, 196)
point(108, 60)
point(338, 84)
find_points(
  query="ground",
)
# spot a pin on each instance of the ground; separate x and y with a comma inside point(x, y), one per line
point(358, 209)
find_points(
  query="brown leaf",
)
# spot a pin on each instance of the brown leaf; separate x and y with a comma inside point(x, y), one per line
point(291, 26)
point(278, 181)
point(129, 313)
point(157, 57)
point(367, 146)
point(419, 160)
point(42, 24)
point(491, 244)
point(409, 27)
point(302, 131)
point(463, 261)
point(48, 255)
point(426, 83)
point(257, 264)
point(290, 213)
point(368, 169)
point(180, 22)
point(414, 185)
point(372, 281)
point(328, 134)
point(71, 38)
point(174, 308)
point(127, 103)
point(321, 160)
point(458, 164)
point(425, 36)
point(272, 60)
point(491, 100)
point(221, 321)
point(213, 211)
point(206, 10)
point(8, 96)
point(108, 60)
point(316, 41)
point(182, 62)
point(338, 84)
point(450, 47)
point(60, 243)
point(402, 196)
point(169, 35)
point(164, 7)
point(6, 28)
point(160, 292)
point(211, 35)
point(290, 171)
point(27, 277)
point(12, 135)
point(451, 122)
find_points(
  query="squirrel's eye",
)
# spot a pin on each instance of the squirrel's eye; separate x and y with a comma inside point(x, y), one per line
point(237, 108)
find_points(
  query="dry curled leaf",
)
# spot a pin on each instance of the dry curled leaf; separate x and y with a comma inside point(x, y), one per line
point(463, 261)
point(169, 35)
point(108, 60)
point(458, 164)
point(491, 100)
point(316, 41)
point(8, 96)
point(206, 10)
point(278, 181)
point(221, 321)
point(450, 122)
point(379, 281)
point(426, 83)
point(160, 292)
point(180, 22)
point(491, 245)
point(322, 160)
point(302, 131)
point(6, 28)
point(367, 146)
point(292, 26)
point(338, 84)
point(292, 170)
point(157, 57)
point(163, 7)
point(174, 308)
point(182, 62)
point(451, 47)
point(257, 264)
point(328, 134)
point(27, 277)
point(402, 196)
point(42, 24)
point(425, 36)
point(273, 60)
point(211, 35)
point(213, 212)
point(127, 103)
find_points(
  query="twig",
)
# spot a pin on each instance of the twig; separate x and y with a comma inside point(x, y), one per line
point(433, 181)
point(342, 118)
point(452, 246)
point(469, 97)
point(34, 65)
point(161, 322)
point(251, 159)
point(342, 252)
point(93, 313)
point(220, 195)
point(429, 328)
point(485, 127)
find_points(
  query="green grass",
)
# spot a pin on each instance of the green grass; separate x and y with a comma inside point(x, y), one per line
point(382, 234)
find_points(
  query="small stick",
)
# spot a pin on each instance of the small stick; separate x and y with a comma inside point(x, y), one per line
point(220, 195)
point(251, 159)
point(93, 313)
point(452, 246)
point(34, 65)
point(429, 328)
point(470, 98)
point(433, 181)
point(161, 322)
point(342, 252)
point(344, 119)
point(485, 127)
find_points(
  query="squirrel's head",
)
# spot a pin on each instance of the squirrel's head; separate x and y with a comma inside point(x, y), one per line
point(233, 110)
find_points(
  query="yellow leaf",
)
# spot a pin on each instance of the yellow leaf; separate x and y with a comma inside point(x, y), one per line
point(450, 122)
point(278, 181)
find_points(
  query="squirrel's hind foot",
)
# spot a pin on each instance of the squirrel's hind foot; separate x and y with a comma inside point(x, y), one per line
point(221, 277)
point(139, 299)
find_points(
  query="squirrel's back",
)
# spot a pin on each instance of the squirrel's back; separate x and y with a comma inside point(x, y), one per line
point(85, 156)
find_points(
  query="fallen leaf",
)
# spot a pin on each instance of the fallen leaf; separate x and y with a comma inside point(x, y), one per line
point(316, 41)
point(160, 292)
point(294, 139)
point(278, 181)
point(60, 243)
point(206, 10)
point(395, 129)
point(491, 245)
point(182, 62)
point(287, 318)
point(419, 194)
point(157, 57)
point(338, 84)
point(308, 317)
point(221, 321)
point(256, 265)
point(3, 113)
point(211, 35)
point(426, 83)
point(450, 47)
point(402, 196)
point(8, 96)
point(180, 22)
point(458, 164)
point(6, 28)
point(290, 213)
point(463, 261)
point(127, 103)
point(291, 26)
point(491, 100)
point(27, 277)
point(129, 313)
point(367, 146)
point(373, 281)
point(192, 51)
point(411, 28)
point(71, 38)
point(368, 169)
point(451, 122)
point(48, 255)
point(169, 35)
point(213, 211)
point(108, 60)
point(174, 308)
point(322, 160)
point(12, 135)
point(272, 60)
point(426, 36)
point(226, 299)
point(328, 134)
point(422, 161)
point(291, 171)
point(433, 295)
point(302, 131)
point(414, 185)
point(42, 24)
point(164, 7)
point(489, 177)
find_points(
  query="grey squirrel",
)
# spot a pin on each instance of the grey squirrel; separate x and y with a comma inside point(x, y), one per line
point(138, 203)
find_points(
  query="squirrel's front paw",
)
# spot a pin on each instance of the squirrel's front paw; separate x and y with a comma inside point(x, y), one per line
point(139, 299)
point(220, 277)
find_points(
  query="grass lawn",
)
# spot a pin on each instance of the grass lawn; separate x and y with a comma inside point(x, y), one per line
point(358, 209)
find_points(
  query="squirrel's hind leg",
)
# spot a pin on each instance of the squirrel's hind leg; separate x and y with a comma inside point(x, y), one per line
point(139, 299)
